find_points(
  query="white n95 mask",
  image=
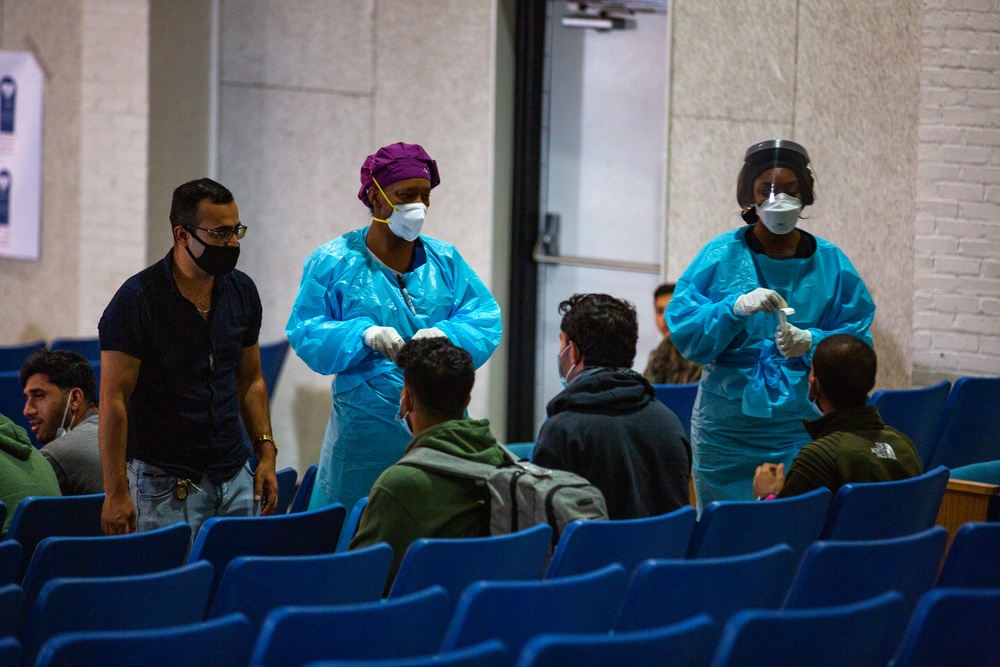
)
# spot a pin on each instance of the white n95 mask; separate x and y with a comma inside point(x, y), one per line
point(407, 220)
point(780, 213)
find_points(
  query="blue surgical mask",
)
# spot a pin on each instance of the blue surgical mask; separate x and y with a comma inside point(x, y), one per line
point(402, 421)
point(812, 404)
point(562, 378)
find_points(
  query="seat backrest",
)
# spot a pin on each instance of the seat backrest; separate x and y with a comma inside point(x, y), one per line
point(516, 611)
point(11, 606)
point(918, 413)
point(10, 651)
point(222, 642)
point(861, 634)
point(971, 559)
point(456, 563)
point(88, 348)
point(12, 357)
point(286, 489)
point(221, 539)
point(680, 398)
point(491, 653)
point(668, 591)
point(38, 517)
point(300, 503)
point(952, 626)
point(119, 555)
point(408, 626)
point(727, 528)
point(256, 585)
point(272, 358)
point(350, 528)
point(833, 573)
point(136, 602)
point(879, 510)
point(588, 545)
point(689, 642)
point(10, 561)
point(970, 432)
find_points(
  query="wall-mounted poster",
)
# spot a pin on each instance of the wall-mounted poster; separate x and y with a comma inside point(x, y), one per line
point(21, 82)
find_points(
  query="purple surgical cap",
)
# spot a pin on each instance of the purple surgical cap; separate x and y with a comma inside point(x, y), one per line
point(397, 162)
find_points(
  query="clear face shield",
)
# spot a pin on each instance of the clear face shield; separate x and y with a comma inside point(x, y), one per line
point(771, 183)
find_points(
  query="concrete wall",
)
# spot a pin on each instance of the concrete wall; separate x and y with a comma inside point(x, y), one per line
point(838, 76)
point(308, 89)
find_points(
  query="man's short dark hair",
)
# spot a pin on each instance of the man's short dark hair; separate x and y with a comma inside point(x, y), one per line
point(604, 328)
point(845, 366)
point(439, 374)
point(64, 369)
point(188, 197)
point(666, 289)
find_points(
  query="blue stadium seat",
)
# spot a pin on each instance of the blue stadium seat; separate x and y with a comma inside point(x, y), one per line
point(916, 412)
point(952, 626)
point(588, 545)
point(971, 429)
point(680, 398)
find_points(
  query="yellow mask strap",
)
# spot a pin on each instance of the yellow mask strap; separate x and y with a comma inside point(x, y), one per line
point(384, 196)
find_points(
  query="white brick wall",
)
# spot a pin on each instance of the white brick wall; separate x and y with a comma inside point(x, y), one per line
point(114, 140)
point(956, 302)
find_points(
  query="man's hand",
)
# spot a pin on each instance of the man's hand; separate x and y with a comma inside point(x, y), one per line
point(265, 487)
point(769, 479)
point(118, 515)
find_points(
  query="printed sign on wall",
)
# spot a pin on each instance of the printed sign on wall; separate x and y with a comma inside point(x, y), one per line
point(21, 82)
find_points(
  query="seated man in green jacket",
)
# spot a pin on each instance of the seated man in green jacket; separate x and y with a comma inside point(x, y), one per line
point(408, 503)
point(850, 442)
point(23, 470)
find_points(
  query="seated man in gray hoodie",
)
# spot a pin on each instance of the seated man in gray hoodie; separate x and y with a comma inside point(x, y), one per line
point(408, 503)
point(607, 425)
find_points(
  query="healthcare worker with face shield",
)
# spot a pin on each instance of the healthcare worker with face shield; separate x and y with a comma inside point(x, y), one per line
point(726, 314)
point(366, 293)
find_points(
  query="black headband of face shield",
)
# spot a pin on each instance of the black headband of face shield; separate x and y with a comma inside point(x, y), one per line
point(777, 153)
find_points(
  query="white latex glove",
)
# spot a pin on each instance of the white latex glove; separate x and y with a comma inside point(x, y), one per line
point(383, 339)
point(758, 300)
point(429, 332)
point(793, 341)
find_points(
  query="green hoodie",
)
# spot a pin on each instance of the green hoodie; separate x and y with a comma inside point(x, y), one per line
point(407, 503)
point(23, 470)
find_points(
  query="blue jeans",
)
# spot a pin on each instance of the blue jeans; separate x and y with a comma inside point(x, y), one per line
point(152, 491)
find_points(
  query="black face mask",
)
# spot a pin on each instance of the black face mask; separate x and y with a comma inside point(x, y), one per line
point(215, 260)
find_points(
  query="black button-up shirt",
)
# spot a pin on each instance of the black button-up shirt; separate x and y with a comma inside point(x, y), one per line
point(183, 415)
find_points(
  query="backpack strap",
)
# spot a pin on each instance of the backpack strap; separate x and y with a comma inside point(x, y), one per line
point(433, 460)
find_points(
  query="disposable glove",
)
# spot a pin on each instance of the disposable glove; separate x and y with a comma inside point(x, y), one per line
point(793, 341)
point(383, 339)
point(430, 332)
point(758, 300)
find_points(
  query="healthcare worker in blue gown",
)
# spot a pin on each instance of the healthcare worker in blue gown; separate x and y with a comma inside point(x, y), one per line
point(753, 395)
point(362, 296)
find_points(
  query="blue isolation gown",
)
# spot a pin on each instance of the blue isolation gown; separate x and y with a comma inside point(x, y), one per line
point(751, 400)
point(344, 290)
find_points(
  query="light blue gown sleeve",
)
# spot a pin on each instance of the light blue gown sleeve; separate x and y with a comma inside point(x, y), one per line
point(318, 334)
point(474, 324)
point(700, 314)
point(851, 309)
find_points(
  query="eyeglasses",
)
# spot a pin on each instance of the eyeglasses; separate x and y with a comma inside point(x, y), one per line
point(223, 234)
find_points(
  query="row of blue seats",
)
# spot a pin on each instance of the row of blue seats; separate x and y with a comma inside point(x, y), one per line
point(859, 511)
point(938, 633)
point(658, 594)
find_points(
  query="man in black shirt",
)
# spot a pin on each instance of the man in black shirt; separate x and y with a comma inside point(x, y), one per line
point(607, 425)
point(180, 368)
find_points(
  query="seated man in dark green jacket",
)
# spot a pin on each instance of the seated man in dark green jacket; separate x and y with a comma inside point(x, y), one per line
point(850, 442)
point(407, 503)
point(23, 470)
